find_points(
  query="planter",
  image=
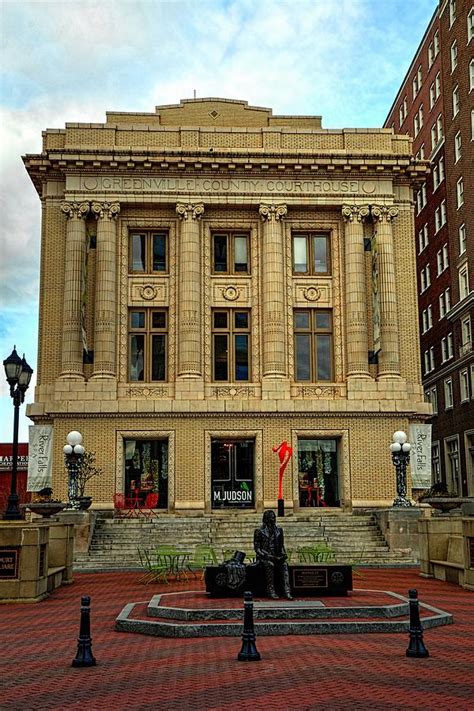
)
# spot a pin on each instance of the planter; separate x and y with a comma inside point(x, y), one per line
point(444, 503)
point(84, 502)
point(45, 509)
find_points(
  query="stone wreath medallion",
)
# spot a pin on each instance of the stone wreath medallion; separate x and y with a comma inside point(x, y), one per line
point(312, 293)
point(148, 292)
point(231, 293)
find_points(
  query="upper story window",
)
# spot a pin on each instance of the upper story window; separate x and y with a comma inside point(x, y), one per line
point(457, 147)
point(436, 132)
point(311, 254)
point(444, 302)
point(417, 81)
point(429, 360)
point(470, 25)
point(431, 396)
point(230, 253)
point(460, 193)
point(425, 279)
point(452, 11)
point(464, 385)
point(423, 238)
point(231, 345)
point(440, 215)
point(426, 319)
point(442, 259)
point(448, 394)
point(438, 173)
point(418, 120)
point(433, 48)
point(435, 90)
point(471, 75)
point(463, 277)
point(313, 345)
point(454, 55)
point(462, 239)
point(455, 101)
point(421, 198)
point(148, 252)
point(465, 332)
point(147, 345)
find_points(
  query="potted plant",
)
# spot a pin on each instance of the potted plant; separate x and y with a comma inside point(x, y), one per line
point(439, 497)
point(44, 504)
point(86, 470)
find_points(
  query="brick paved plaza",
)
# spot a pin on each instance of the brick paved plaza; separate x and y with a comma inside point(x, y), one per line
point(38, 643)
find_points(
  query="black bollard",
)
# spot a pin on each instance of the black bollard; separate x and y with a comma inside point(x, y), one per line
point(249, 652)
point(416, 647)
point(281, 507)
point(84, 656)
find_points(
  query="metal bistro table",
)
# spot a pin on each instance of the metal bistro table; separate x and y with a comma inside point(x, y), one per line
point(176, 562)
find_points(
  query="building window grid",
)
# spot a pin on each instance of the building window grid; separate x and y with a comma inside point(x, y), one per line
point(313, 345)
point(466, 331)
point(427, 318)
point(231, 345)
point(452, 12)
point(457, 146)
point(444, 302)
point(429, 360)
point(463, 282)
point(464, 385)
point(438, 173)
point(442, 259)
point(452, 451)
point(447, 348)
point(311, 254)
point(455, 101)
point(460, 193)
point(425, 278)
point(423, 238)
point(230, 253)
point(448, 394)
point(470, 25)
point(440, 216)
point(147, 339)
point(454, 56)
point(418, 121)
point(471, 75)
point(148, 252)
point(435, 461)
point(462, 238)
point(421, 198)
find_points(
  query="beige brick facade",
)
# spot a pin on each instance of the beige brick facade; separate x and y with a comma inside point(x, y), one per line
point(191, 171)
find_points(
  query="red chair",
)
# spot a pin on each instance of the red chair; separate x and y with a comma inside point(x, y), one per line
point(119, 505)
point(151, 502)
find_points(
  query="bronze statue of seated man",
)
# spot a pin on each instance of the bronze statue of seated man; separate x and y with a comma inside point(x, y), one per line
point(270, 550)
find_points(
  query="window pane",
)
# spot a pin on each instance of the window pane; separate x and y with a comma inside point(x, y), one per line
point(158, 357)
point(138, 253)
point(300, 260)
point(158, 319)
point(220, 253)
point(324, 358)
point(159, 253)
point(320, 255)
point(301, 319)
point(303, 356)
point(241, 357)
point(240, 254)
point(220, 319)
point(221, 370)
point(137, 319)
point(241, 319)
point(323, 320)
point(137, 344)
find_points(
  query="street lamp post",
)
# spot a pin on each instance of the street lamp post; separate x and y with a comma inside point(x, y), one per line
point(18, 374)
point(400, 449)
point(73, 453)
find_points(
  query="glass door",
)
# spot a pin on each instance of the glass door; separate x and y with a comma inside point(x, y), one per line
point(232, 473)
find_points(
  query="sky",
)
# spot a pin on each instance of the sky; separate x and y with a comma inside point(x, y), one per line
point(73, 60)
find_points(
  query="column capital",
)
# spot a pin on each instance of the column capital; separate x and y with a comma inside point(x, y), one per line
point(111, 210)
point(75, 209)
point(272, 212)
point(384, 213)
point(187, 210)
point(355, 212)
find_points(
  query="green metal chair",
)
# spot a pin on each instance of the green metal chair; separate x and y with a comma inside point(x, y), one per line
point(203, 556)
point(155, 570)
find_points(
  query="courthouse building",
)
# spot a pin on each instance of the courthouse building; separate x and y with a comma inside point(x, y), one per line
point(217, 280)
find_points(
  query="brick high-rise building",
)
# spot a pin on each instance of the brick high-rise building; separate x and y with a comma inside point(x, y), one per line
point(435, 105)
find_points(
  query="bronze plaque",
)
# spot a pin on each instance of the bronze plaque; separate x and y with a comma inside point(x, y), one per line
point(310, 578)
point(9, 563)
point(471, 552)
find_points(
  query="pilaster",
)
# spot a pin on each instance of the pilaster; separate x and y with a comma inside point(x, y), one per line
point(71, 352)
point(189, 338)
point(106, 214)
point(273, 293)
point(356, 291)
point(389, 356)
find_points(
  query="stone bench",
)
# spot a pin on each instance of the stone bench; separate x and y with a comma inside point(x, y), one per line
point(452, 569)
point(55, 577)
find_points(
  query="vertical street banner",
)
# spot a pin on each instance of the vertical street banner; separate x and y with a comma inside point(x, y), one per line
point(374, 251)
point(420, 456)
point(40, 451)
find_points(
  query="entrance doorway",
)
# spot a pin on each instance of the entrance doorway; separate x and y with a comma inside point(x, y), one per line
point(232, 473)
point(318, 479)
point(146, 471)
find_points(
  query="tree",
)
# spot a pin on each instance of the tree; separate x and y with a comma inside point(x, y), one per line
point(86, 470)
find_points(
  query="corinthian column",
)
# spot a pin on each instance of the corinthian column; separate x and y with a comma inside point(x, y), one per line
point(273, 291)
point(106, 214)
point(71, 355)
point(189, 291)
point(389, 356)
point(356, 290)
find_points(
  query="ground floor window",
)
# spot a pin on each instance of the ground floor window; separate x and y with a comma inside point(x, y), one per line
point(146, 471)
point(232, 473)
point(318, 472)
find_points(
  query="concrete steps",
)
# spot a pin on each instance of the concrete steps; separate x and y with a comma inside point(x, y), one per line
point(354, 539)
